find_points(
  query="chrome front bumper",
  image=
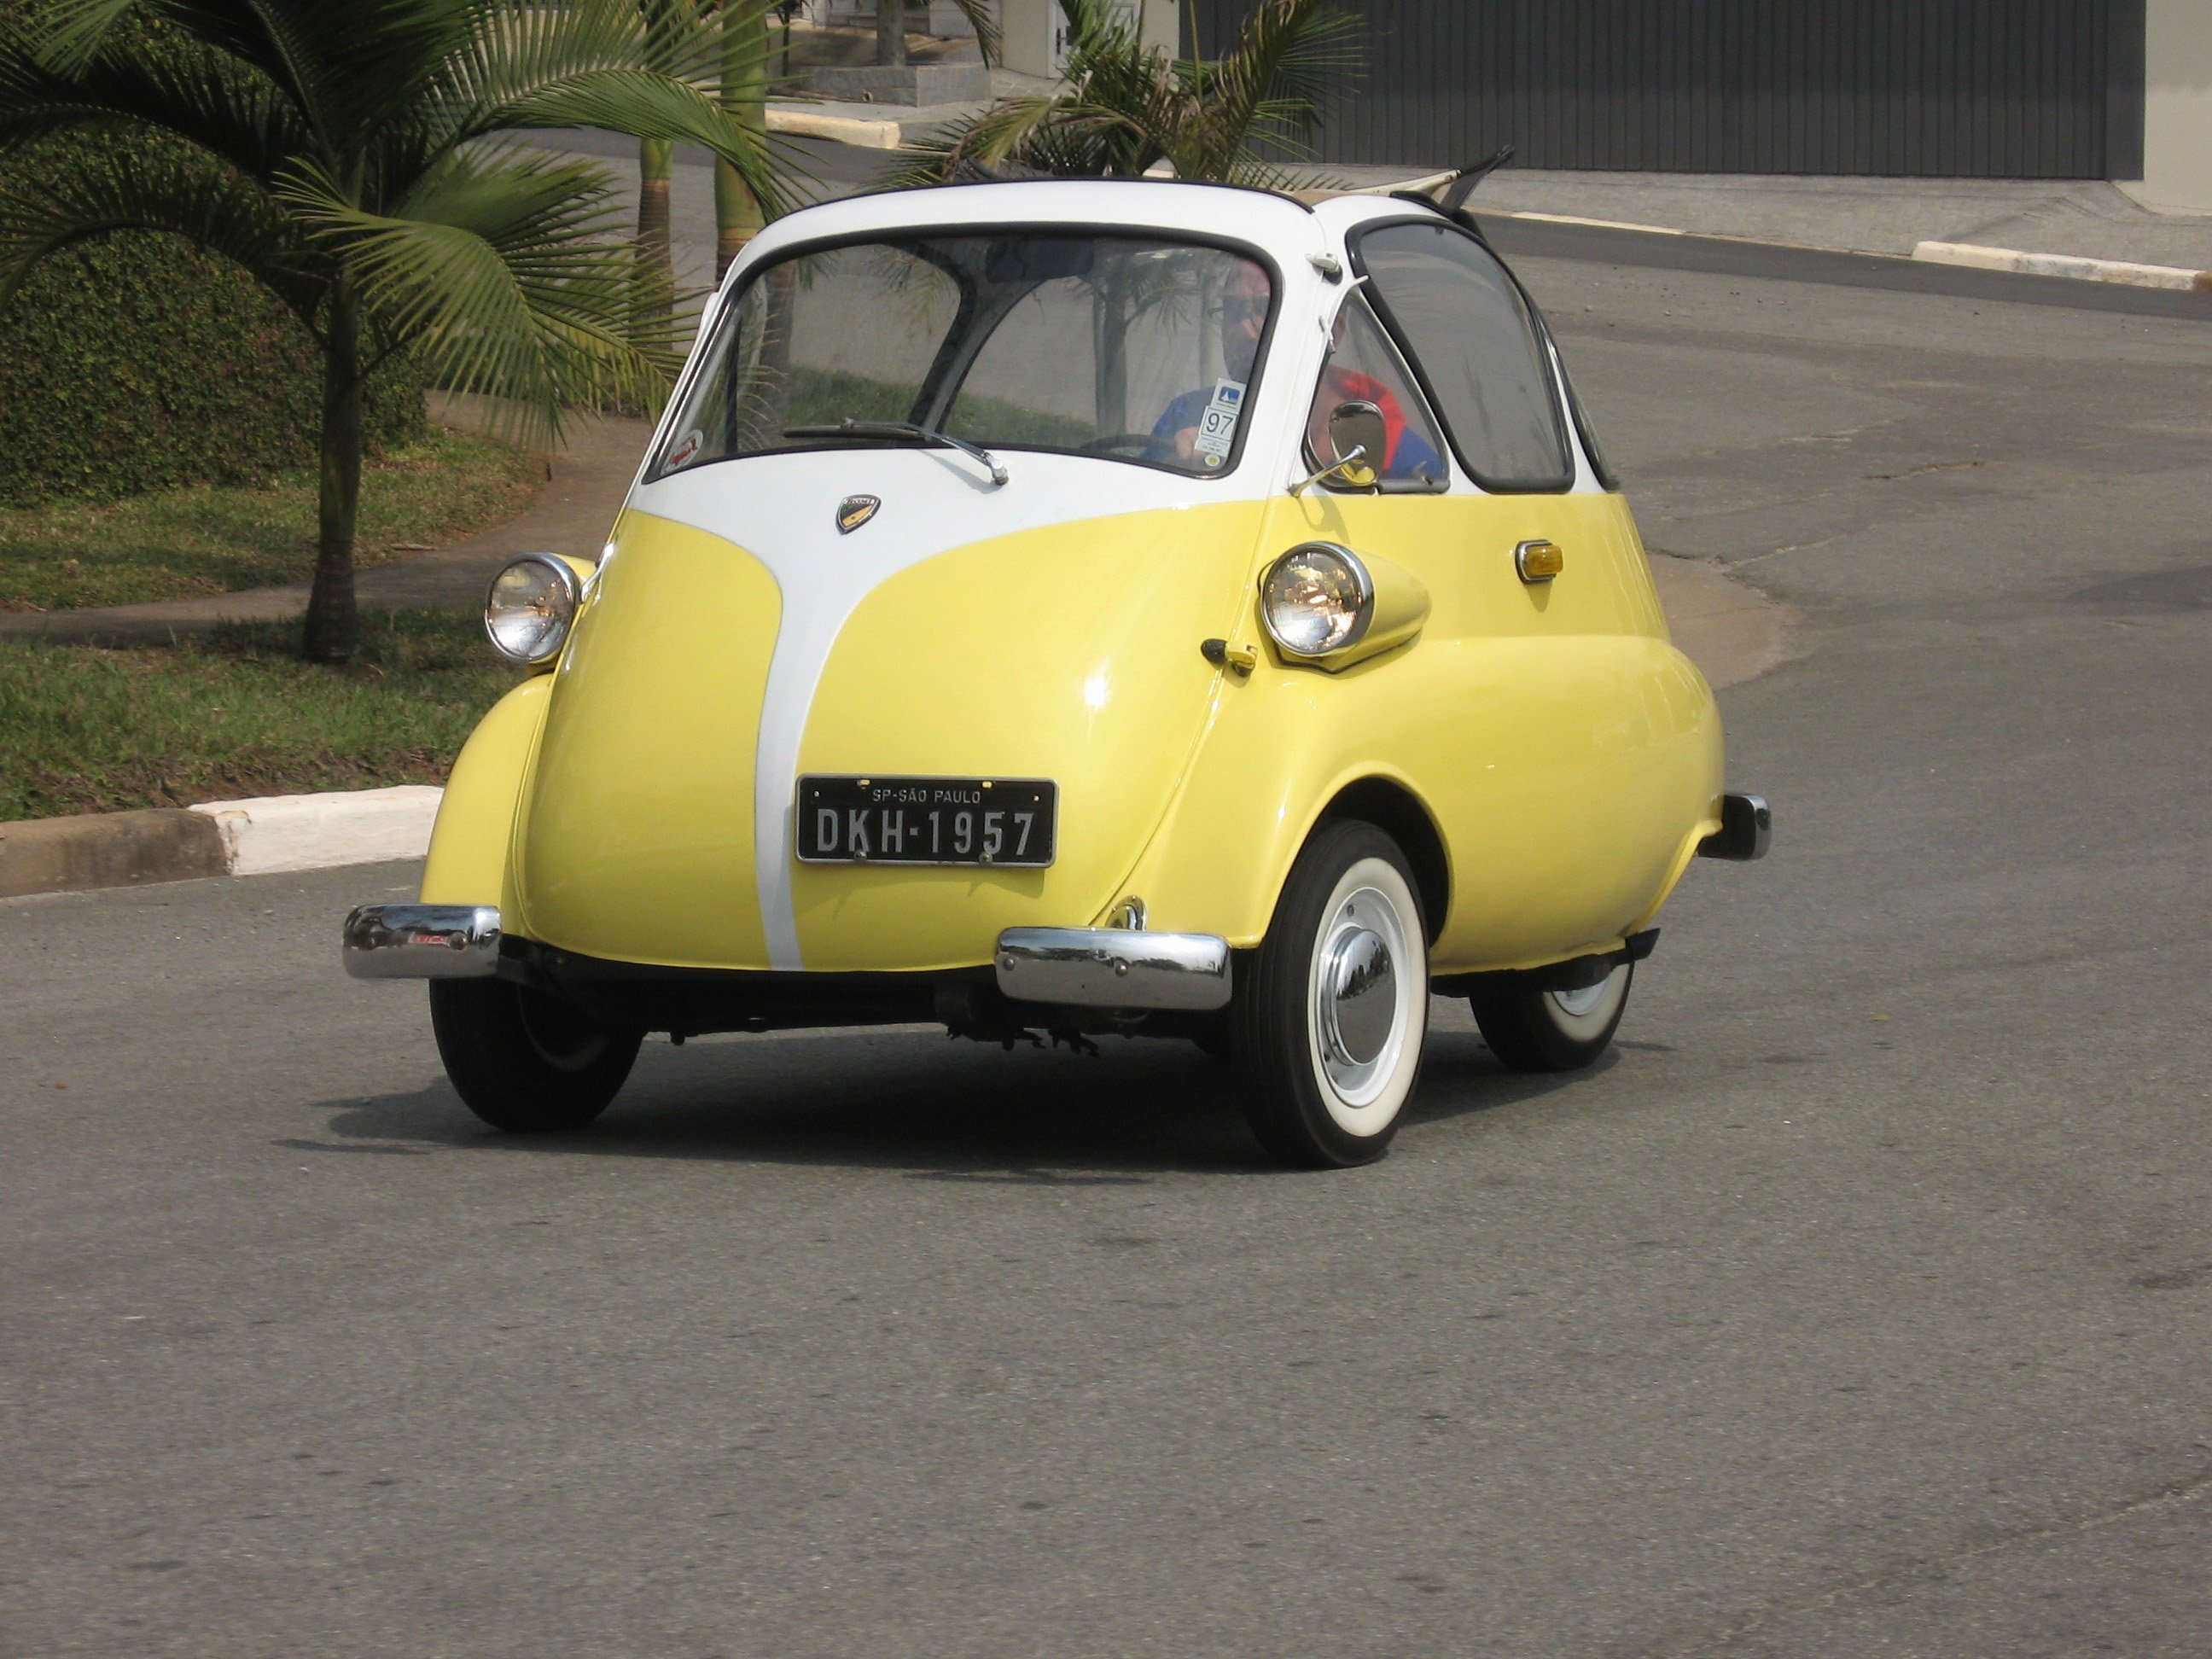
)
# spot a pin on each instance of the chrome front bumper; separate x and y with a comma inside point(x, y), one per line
point(422, 941)
point(1113, 968)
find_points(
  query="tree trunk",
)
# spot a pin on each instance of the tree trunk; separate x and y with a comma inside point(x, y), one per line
point(656, 266)
point(738, 215)
point(332, 623)
point(890, 31)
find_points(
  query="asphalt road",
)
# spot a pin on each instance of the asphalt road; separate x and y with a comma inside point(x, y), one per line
point(1861, 1303)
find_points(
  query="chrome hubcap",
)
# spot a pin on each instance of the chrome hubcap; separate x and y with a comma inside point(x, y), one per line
point(1575, 1004)
point(1358, 995)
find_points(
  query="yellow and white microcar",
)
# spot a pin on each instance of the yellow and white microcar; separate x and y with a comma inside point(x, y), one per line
point(1078, 607)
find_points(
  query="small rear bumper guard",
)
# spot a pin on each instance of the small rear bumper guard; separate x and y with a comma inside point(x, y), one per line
point(1113, 968)
point(422, 941)
point(1746, 827)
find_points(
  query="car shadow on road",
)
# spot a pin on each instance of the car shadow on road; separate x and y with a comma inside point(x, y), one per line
point(922, 1106)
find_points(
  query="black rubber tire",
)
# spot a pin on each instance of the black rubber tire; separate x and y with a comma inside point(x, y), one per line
point(1271, 1020)
point(524, 1061)
point(1528, 1031)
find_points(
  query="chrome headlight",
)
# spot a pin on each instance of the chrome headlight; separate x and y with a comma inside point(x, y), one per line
point(1317, 598)
point(532, 602)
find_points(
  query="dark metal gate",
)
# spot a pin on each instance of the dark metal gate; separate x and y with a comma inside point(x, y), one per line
point(1982, 89)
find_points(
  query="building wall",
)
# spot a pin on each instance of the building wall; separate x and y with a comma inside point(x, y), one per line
point(1990, 88)
point(2176, 158)
point(1035, 31)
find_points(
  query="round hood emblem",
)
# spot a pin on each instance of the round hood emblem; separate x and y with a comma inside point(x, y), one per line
point(855, 510)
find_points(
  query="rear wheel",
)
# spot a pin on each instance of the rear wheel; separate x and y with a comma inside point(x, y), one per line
point(524, 1061)
point(1532, 1030)
point(1328, 1021)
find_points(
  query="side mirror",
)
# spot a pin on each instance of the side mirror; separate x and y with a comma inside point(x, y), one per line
point(1361, 442)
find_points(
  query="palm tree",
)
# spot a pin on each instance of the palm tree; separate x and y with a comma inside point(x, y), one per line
point(348, 157)
point(738, 214)
point(1127, 108)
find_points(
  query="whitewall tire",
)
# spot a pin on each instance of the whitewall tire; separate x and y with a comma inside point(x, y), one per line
point(1330, 1015)
point(1539, 1030)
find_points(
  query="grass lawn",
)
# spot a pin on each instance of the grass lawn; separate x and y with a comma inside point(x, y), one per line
point(172, 544)
point(236, 713)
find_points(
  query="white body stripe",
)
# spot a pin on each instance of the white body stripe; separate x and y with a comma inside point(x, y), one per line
point(782, 509)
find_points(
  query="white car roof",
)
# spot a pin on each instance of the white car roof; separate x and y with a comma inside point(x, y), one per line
point(1289, 230)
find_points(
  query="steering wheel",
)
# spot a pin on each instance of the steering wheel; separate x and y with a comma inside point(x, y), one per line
point(1140, 441)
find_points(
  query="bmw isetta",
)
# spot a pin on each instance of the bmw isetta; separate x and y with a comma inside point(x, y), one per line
point(1073, 607)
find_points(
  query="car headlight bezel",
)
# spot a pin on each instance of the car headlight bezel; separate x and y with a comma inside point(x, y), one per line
point(537, 617)
point(1322, 583)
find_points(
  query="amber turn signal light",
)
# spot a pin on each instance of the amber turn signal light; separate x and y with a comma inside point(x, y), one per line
point(1539, 562)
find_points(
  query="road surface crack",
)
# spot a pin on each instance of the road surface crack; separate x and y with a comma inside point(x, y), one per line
point(2170, 1495)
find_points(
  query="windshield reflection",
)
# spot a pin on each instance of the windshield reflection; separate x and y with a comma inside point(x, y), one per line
point(1135, 348)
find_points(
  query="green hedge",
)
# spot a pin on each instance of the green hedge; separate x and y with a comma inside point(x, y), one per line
point(136, 362)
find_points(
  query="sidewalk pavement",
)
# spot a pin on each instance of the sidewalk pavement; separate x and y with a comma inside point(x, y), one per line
point(2089, 219)
point(2086, 218)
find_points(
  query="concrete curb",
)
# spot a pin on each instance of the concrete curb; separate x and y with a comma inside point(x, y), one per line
point(2065, 264)
point(837, 129)
point(109, 849)
point(2069, 265)
point(266, 836)
point(317, 832)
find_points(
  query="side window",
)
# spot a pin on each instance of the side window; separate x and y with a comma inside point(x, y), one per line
point(1475, 344)
point(1364, 367)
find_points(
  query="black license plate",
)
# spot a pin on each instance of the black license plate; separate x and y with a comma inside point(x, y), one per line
point(927, 820)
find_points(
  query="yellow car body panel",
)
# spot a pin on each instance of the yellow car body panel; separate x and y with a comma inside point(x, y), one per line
point(472, 843)
point(1551, 732)
point(636, 840)
point(1071, 654)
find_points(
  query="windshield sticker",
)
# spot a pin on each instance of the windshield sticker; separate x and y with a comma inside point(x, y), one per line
point(686, 447)
point(1217, 428)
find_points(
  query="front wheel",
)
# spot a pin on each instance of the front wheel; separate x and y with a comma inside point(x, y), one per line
point(524, 1061)
point(1328, 1023)
point(1532, 1031)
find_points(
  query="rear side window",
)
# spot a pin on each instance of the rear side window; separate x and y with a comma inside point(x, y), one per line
point(1475, 344)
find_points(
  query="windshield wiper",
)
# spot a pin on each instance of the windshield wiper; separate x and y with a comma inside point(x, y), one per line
point(849, 428)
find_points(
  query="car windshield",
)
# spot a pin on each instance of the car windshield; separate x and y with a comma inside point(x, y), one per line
point(1136, 348)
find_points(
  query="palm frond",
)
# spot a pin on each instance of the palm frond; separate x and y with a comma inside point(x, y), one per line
point(605, 63)
point(346, 153)
point(1128, 105)
point(503, 278)
point(186, 91)
point(1290, 57)
point(164, 188)
point(346, 67)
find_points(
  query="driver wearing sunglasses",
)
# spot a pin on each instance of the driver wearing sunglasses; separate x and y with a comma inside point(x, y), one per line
point(1244, 303)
